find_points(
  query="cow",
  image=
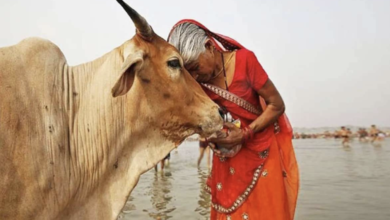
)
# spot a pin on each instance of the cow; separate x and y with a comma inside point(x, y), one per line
point(74, 140)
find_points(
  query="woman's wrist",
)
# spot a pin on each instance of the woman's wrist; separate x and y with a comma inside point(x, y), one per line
point(247, 134)
point(256, 128)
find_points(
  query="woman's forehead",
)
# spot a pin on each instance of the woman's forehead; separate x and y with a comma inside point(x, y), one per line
point(191, 65)
point(201, 60)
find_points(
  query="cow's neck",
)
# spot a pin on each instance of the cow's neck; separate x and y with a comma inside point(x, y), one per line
point(111, 142)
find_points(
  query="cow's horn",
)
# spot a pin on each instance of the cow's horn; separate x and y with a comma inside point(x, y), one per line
point(140, 23)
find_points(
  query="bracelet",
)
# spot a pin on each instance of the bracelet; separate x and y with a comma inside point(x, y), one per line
point(248, 134)
point(245, 135)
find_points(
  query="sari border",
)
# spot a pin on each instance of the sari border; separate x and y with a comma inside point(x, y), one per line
point(233, 98)
point(242, 198)
point(238, 101)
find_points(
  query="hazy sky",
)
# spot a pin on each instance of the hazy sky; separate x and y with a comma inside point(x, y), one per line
point(329, 59)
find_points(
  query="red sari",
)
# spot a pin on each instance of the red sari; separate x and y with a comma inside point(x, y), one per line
point(261, 182)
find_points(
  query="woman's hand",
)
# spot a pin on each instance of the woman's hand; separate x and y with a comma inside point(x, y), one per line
point(233, 138)
point(215, 150)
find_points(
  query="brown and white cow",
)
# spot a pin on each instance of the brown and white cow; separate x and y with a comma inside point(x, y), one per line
point(74, 140)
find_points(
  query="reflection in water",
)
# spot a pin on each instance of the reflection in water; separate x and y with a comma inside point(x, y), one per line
point(336, 183)
point(204, 201)
point(347, 147)
point(377, 144)
point(160, 196)
point(348, 159)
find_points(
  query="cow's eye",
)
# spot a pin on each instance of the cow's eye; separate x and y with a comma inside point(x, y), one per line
point(174, 63)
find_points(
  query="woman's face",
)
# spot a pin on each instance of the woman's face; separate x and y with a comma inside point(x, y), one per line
point(204, 67)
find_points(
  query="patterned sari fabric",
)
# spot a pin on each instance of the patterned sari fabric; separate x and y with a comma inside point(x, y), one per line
point(261, 181)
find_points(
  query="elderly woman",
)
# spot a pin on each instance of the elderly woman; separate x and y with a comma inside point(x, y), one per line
point(260, 180)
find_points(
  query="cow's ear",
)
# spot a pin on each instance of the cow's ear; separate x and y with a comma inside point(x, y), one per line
point(132, 64)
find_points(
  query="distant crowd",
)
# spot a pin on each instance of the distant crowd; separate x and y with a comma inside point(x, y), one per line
point(364, 134)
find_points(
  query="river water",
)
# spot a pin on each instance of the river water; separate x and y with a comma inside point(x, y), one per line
point(337, 183)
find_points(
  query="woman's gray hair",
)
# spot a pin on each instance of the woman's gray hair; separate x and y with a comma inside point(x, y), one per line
point(189, 39)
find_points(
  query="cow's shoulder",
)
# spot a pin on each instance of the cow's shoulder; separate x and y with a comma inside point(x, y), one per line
point(40, 48)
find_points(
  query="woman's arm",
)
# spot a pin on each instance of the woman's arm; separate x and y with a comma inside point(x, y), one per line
point(275, 107)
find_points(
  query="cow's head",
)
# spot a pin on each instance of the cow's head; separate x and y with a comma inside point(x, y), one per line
point(153, 70)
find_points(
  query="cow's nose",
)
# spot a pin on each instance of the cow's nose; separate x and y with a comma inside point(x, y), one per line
point(213, 121)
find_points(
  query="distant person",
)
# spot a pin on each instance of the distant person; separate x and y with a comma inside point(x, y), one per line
point(362, 134)
point(297, 135)
point(344, 133)
point(162, 162)
point(374, 133)
point(337, 134)
point(349, 132)
point(381, 136)
point(204, 147)
point(327, 134)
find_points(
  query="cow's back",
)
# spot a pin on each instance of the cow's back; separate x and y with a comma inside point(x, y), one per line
point(33, 127)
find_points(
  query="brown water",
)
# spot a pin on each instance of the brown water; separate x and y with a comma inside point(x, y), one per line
point(338, 183)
